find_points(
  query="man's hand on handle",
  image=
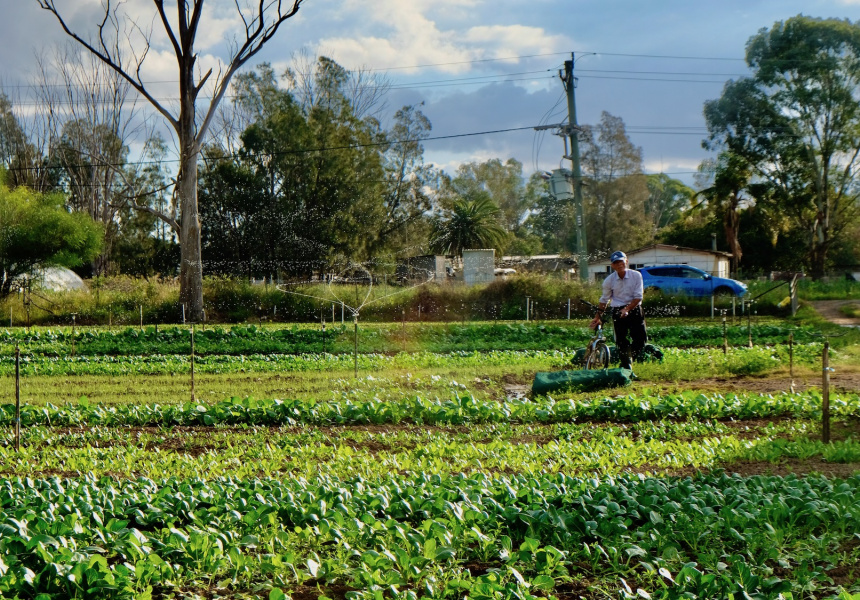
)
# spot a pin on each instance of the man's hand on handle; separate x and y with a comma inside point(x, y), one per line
point(596, 320)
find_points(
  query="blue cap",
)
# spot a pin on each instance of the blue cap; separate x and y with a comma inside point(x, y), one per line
point(617, 255)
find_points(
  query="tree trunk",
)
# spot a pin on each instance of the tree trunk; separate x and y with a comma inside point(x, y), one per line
point(818, 257)
point(820, 239)
point(191, 265)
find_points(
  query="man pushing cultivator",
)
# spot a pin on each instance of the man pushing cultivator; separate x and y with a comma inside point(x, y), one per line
point(622, 292)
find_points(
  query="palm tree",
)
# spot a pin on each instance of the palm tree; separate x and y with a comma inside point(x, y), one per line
point(468, 224)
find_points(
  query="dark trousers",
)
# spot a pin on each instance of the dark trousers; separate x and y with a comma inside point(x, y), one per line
point(634, 325)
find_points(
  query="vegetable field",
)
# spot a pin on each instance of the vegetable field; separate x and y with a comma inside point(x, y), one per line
point(281, 474)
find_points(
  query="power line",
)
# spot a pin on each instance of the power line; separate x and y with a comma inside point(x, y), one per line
point(691, 73)
point(652, 79)
point(669, 56)
point(286, 152)
point(466, 62)
point(592, 74)
point(477, 78)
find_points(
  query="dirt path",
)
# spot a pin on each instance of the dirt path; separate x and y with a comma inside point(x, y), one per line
point(829, 309)
point(843, 380)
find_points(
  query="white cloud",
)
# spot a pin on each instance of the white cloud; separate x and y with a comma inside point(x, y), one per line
point(417, 33)
point(515, 40)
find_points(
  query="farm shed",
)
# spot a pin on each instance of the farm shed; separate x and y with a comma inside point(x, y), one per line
point(712, 261)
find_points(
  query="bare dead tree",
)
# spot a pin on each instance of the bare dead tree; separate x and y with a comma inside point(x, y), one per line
point(23, 142)
point(364, 90)
point(112, 42)
point(90, 115)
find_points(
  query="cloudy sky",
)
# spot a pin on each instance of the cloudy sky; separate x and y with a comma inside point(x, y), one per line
point(482, 66)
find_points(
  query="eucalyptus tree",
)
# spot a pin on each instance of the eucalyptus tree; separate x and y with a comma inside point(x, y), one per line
point(667, 199)
point(125, 46)
point(25, 161)
point(310, 180)
point(615, 191)
point(409, 186)
point(86, 117)
point(503, 182)
point(730, 191)
point(13, 139)
point(795, 122)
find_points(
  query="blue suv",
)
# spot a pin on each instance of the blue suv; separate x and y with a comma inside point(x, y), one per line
point(684, 279)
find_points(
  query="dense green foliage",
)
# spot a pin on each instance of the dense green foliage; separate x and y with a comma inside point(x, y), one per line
point(791, 127)
point(457, 410)
point(676, 364)
point(422, 478)
point(375, 450)
point(37, 231)
point(315, 178)
point(428, 536)
point(428, 337)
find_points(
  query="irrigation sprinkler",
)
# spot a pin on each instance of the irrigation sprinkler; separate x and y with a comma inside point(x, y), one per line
point(110, 318)
point(183, 313)
point(528, 305)
point(10, 316)
point(17, 398)
point(355, 283)
point(725, 335)
point(140, 306)
point(568, 309)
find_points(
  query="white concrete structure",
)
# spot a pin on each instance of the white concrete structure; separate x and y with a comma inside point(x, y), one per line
point(478, 266)
point(712, 261)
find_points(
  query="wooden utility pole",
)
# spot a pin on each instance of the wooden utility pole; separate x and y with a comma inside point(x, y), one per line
point(581, 245)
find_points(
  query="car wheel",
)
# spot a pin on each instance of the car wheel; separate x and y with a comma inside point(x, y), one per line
point(724, 292)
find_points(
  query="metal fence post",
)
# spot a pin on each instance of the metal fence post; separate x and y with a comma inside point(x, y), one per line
point(825, 394)
point(17, 398)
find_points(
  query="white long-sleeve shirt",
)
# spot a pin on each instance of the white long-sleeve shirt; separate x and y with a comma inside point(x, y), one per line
point(622, 291)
